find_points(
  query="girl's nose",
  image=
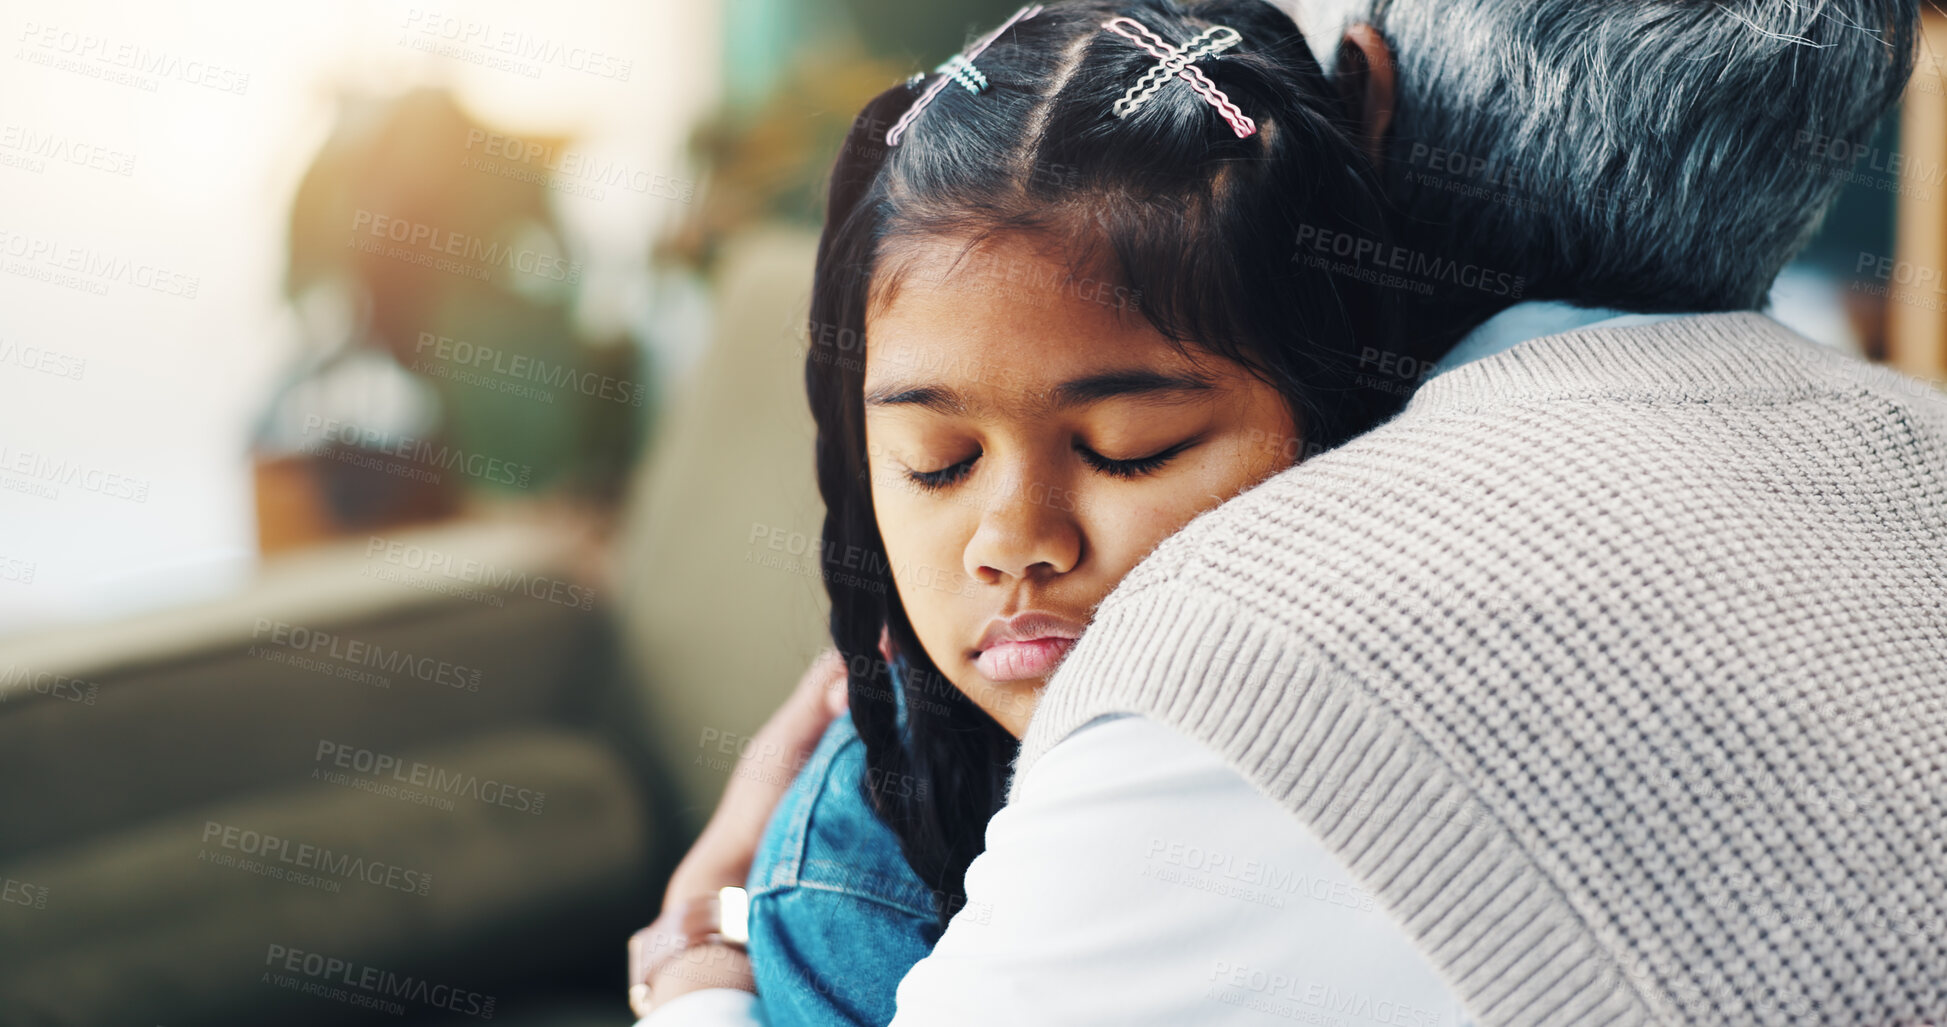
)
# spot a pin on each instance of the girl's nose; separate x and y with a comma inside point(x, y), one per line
point(1024, 532)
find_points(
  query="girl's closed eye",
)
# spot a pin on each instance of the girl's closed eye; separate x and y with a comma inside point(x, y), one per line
point(932, 480)
point(1132, 467)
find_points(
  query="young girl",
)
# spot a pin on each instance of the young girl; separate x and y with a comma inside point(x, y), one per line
point(1073, 253)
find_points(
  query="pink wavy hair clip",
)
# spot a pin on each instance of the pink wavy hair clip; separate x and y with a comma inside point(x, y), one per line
point(1181, 62)
point(958, 68)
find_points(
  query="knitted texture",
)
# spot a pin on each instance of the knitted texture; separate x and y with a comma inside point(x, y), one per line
point(1615, 665)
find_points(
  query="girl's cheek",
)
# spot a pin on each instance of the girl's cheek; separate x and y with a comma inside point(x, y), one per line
point(924, 551)
point(1122, 528)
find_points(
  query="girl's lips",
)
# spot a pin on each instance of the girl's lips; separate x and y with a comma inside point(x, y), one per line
point(1021, 661)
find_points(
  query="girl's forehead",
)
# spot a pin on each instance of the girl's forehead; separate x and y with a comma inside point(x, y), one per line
point(1036, 264)
point(1009, 319)
point(1025, 363)
point(999, 336)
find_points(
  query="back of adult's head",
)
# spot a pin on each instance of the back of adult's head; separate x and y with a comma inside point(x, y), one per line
point(1638, 154)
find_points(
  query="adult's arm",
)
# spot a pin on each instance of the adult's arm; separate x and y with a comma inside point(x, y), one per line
point(1138, 880)
point(722, 853)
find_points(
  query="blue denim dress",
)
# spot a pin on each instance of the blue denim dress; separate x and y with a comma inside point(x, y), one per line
point(836, 915)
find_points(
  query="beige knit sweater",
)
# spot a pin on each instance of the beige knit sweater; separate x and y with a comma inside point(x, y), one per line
point(1616, 666)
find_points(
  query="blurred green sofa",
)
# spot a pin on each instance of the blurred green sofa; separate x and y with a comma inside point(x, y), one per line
point(355, 792)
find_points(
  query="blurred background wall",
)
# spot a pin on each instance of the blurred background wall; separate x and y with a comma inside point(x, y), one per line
point(406, 507)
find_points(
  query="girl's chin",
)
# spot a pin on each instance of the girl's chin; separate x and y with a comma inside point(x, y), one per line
point(1010, 703)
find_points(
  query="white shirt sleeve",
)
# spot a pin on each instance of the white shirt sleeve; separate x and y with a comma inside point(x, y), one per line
point(710, 1007)
point(1138, 880)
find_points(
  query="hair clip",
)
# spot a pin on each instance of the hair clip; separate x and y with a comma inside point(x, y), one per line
point(1180, 62)
point(961, 70)
point(958, 68)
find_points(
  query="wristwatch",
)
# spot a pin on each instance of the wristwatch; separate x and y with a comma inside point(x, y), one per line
point(723, 918)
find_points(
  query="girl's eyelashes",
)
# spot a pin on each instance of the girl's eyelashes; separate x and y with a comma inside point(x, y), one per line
point(932, 481)
point(1134, 468)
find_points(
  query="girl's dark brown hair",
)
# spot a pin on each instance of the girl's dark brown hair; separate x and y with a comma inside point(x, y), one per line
point(1202, 226)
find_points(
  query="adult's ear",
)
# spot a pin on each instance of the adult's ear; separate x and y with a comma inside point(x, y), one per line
point(1366, 77)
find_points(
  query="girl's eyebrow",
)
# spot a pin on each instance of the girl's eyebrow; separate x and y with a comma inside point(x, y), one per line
point(1075, 392)
point(1137, 382)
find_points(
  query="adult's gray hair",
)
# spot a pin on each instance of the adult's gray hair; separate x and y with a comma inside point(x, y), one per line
point(1640, 154)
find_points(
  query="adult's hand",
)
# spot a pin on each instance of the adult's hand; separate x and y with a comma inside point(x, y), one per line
point(723, 853)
